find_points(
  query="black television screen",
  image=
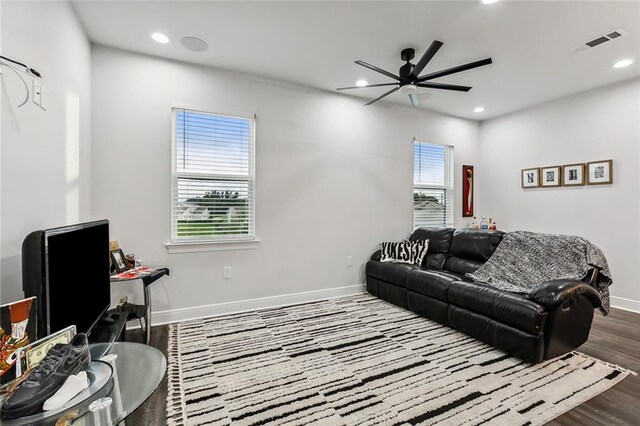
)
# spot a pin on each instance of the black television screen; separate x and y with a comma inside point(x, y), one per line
point(77, 275)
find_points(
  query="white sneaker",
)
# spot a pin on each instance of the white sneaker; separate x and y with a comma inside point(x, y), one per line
point(73, 386)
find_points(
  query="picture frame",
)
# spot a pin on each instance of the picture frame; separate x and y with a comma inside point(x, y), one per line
point(119, 260)
point(599, 172)
point(573, 174)
point(467, 191)
point(550, 176)
point(530, 178)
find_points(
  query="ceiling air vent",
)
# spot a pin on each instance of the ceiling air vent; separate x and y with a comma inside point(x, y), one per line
point(599, 40)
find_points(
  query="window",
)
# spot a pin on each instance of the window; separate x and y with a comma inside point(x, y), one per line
point(213, 177)
point(432, 185)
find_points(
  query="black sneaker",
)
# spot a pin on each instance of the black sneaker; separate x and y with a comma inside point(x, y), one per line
point(62, 361)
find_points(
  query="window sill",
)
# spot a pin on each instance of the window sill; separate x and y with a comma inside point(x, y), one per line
point(202, 246)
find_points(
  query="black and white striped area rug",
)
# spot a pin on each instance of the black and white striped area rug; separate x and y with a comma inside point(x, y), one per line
point(361, 361)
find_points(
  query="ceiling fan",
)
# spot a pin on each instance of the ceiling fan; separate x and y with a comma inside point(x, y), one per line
point(409, 78)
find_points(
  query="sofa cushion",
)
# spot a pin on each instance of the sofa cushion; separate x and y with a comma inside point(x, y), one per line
point(394, 273)
point(400, 252)
point(432, 282)
point(508, 308)
point(470, 248)
point(439, 242)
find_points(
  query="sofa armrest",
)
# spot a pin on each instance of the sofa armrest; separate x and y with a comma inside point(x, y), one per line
point(377, 255)
point(552, 294)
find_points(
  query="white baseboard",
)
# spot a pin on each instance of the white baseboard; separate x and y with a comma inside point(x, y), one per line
point(626, 304)
point(196, 312)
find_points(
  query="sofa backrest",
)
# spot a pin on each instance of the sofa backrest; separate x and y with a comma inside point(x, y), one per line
point(470, 248)
point(439, 243)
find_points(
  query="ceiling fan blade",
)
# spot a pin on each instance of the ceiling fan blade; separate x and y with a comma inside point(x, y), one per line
point(413, 97)
point(395, 89)
point(445, 86)
point(428, 55)
point(454, 70)
point(376, 69)
point(369, 85)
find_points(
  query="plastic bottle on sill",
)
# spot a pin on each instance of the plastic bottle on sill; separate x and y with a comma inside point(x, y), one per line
point(474, 223)
point(483, 223)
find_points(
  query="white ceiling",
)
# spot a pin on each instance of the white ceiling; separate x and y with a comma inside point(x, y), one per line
point(315, 43)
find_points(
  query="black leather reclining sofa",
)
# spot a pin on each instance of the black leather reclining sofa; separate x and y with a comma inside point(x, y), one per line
point(551, 320)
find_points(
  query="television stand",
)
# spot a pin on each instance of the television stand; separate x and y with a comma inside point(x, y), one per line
point(110, 328)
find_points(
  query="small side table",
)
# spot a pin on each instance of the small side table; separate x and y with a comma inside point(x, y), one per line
point(147, 278)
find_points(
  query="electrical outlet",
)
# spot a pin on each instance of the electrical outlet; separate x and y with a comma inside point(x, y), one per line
point(349, 260)
point(226, 272)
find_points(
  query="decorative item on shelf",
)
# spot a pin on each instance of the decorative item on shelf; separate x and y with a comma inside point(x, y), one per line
point(492, 225)
point(474, 224)
point(530, 178)
point(467, 191)
point(573, 174)
point(483, 223)
point(600, 172)
point(550, 176)
point(119, 260)
point(131, 260)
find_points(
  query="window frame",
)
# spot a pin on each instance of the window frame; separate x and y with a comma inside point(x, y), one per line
point(448, 185)
point(213, 243)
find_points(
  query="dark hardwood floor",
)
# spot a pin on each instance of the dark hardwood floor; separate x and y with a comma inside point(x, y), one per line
point(614, 339)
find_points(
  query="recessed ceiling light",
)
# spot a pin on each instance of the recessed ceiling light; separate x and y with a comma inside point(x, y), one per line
point(478, 109)
point(362, 83)
point(623, 63)
point(488, 1)
point(160, 38)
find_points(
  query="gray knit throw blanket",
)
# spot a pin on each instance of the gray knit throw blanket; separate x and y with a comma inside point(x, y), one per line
point(523, 260)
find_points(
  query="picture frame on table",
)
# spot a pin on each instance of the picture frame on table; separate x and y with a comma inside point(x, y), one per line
point(600, 172)
point(550, 176)
point(530, 178)
point(573, 174)
point(119, 260)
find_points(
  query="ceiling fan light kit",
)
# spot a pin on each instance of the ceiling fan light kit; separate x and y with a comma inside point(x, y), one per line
point(409, 79)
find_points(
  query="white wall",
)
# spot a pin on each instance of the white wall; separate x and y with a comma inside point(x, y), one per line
point(596, 125)
point(45, 158)
point(333, 178)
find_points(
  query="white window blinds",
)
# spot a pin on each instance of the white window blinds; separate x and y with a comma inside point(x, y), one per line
point(213, 177)
point(432, 185)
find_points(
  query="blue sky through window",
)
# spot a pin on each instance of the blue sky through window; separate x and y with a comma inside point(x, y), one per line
point(428, 163)
point(214, 144)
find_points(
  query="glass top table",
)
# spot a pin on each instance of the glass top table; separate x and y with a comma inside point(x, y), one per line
point(123, 376)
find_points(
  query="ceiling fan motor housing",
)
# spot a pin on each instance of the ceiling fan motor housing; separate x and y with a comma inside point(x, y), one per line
point(406, 55)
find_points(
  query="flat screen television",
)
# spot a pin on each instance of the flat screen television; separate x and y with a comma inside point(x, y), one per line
point(67, 269)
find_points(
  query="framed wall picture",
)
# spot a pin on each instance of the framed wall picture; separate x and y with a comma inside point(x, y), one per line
point(467, 191)
point(600, 172)
point(573, 174)
point(119, 261)
point(530, 178)
point(550, 176)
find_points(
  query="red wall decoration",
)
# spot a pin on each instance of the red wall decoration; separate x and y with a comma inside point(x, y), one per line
point(467, 191)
